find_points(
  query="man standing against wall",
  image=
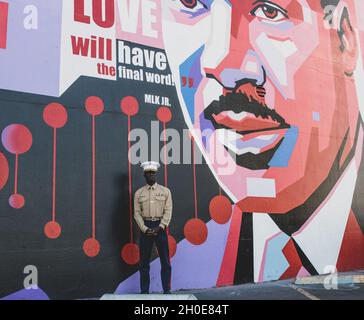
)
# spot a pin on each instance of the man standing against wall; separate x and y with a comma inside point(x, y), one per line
point(153, 212)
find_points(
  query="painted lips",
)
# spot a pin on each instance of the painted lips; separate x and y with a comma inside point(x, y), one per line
point(244, 121)
point(244, 125)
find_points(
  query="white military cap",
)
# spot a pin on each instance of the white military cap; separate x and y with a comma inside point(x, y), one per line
point(150, 166)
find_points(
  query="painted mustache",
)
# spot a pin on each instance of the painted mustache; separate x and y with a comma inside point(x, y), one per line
point(261, 117)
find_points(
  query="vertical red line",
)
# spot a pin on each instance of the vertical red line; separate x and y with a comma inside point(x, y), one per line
point(129, 172)
point(220, 191)
point(93, 179)
point(194, 174)
point(54, 174)
point(16, 175)
point(4, 9)
point(165, 155)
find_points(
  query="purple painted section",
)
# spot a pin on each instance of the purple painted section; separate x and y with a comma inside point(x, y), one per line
point(193, 267)
point(255, 143)
point(31, 61)
point(31, 294)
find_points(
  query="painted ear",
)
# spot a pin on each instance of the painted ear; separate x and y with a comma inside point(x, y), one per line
point(349, 45)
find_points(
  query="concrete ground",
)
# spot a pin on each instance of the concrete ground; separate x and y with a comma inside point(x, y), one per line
point(346, 286)
point(342, 286)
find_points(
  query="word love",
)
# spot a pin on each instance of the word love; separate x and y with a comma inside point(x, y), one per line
point(131, 12)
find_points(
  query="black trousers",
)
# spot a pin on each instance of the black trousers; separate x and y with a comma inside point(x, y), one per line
point(146, 246)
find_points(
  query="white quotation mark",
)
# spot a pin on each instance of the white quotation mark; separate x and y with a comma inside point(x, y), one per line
point(31, 280)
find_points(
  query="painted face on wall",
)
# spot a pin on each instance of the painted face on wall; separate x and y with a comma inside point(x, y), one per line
point(265, 88)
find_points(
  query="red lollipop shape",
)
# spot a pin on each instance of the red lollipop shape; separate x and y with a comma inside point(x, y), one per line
point(17, 138)
point(129, 105)
point(52, 230)
point(91, 247)
point(4, 170)
point(55, 115)
point(164, 114)
point(220, 209)
point(94, 105)
point(130, 253)
point(172, 246)
point(16, 201)
point(195, 231)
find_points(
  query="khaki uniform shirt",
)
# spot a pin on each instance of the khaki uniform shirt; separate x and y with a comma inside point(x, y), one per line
point(153, 202)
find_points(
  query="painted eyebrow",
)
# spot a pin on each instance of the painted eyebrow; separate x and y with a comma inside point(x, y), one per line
point(271, 3)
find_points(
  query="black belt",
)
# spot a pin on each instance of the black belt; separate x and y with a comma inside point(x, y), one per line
point(152, 219)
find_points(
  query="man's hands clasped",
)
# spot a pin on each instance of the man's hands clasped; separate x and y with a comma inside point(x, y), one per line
point(153, 231)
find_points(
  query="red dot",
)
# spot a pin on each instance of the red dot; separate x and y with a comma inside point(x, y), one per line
point(94, 105)
point(164, 114)
point(16, 138)
point(4, 170)
point(52, 230)
point(129, 105)
point(172, 246)
point(195, 231)
point(130, 253)
point(16, 201)
point(220, 209)
point(55, 115)
point(91, 247)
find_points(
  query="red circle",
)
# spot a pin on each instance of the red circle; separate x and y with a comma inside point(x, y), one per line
point(94, 105)
point(129, 105)
point(195, 231)
point(220, 209)
point(55, 115)
point(4, 170)
point(16, 201)
point(91, 247)
point(130, 253)
point(16, 138)
point(172, 246)
point(164, 114)
point(52, 230)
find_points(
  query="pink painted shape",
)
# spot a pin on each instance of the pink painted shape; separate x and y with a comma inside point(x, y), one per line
point(303, 273)
point(323, 203)
point(138, 37)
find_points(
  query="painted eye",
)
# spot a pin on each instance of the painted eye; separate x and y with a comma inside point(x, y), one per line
point(269, 12)
point(189, 3)
point(193, 4)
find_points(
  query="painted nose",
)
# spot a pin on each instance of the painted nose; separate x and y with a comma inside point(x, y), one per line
point(229, 56)
point(236, 70)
